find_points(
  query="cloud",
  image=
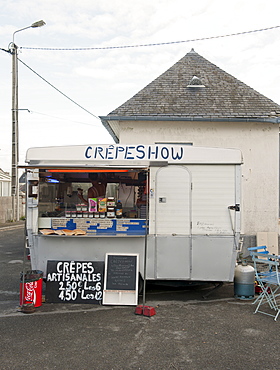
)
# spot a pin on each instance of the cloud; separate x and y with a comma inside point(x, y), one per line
point(101, 80)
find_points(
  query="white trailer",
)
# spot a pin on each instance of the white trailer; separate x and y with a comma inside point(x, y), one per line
point(188, 225)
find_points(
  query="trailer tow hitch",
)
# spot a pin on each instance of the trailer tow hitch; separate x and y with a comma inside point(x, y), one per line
point(217, 286)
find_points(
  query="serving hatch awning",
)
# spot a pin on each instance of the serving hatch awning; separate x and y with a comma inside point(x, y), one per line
point(85, 169)
point(127, 176)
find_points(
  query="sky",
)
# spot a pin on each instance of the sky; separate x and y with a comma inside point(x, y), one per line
point(107, 74)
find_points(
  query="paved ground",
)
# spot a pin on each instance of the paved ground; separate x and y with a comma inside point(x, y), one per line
point(187, 332)
point(12, 225)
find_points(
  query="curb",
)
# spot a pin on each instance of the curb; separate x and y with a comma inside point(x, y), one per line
point(4, 227)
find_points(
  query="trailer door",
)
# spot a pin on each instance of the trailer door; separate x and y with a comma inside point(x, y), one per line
point(173, 222)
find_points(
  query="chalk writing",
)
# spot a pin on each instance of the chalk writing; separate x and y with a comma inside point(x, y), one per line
point(74, 281)
point(121, 272)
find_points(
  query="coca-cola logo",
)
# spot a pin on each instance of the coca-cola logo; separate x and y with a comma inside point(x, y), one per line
point(30, 293)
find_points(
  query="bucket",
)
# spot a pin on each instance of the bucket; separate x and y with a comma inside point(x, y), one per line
point(33, 284)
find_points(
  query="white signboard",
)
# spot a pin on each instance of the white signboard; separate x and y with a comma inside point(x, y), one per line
point(90, 154)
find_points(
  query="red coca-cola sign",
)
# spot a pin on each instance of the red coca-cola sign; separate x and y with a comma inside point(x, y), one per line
point(32, 293)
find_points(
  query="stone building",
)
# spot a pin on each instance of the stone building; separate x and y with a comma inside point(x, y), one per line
point(196, 103)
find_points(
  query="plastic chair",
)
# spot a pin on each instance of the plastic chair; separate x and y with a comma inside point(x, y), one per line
point(268, 277)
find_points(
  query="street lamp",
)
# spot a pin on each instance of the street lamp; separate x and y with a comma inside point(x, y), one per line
point(15, 152)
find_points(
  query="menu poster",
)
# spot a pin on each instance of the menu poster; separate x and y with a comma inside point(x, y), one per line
point(74, 282)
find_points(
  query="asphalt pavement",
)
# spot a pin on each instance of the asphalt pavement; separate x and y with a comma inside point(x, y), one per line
point(188, 331)
point(12, 225)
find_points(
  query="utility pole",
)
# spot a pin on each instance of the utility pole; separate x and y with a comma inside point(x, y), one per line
point(15, 156)
point(13, 49)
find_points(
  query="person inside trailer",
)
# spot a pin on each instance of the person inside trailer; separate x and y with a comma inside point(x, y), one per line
point(97, 190)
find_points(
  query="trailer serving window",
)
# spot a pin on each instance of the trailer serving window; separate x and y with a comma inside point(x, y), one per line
point(92, 199)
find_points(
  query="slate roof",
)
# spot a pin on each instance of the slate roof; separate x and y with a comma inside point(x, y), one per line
point(223, 97)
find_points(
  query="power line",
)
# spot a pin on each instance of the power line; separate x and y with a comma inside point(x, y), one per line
point(67, 97)
point(153, 44)
point(63, 119)
point(127, 46)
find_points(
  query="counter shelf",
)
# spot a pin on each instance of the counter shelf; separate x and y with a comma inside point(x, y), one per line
point(93, 235)
point(96, 227)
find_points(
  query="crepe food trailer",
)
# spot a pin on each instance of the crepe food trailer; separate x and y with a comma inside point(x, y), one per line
point(175, 207)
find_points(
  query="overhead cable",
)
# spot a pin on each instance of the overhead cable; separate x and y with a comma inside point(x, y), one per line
point(152, 44)
point(63, 119)
point(67, 97)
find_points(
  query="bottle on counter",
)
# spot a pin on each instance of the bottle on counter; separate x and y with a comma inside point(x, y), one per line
point(111, 207)
point(119, 211)
point(111, 202)
point(111, 212)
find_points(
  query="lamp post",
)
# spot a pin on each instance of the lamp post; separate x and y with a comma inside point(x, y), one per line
point(15, 151)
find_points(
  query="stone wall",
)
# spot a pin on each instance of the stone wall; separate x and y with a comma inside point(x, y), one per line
point(259, 145)
point(6, 209)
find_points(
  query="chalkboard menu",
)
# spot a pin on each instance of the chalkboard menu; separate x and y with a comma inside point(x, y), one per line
point(121, 279)
point(74, 282)
point(121, 272)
